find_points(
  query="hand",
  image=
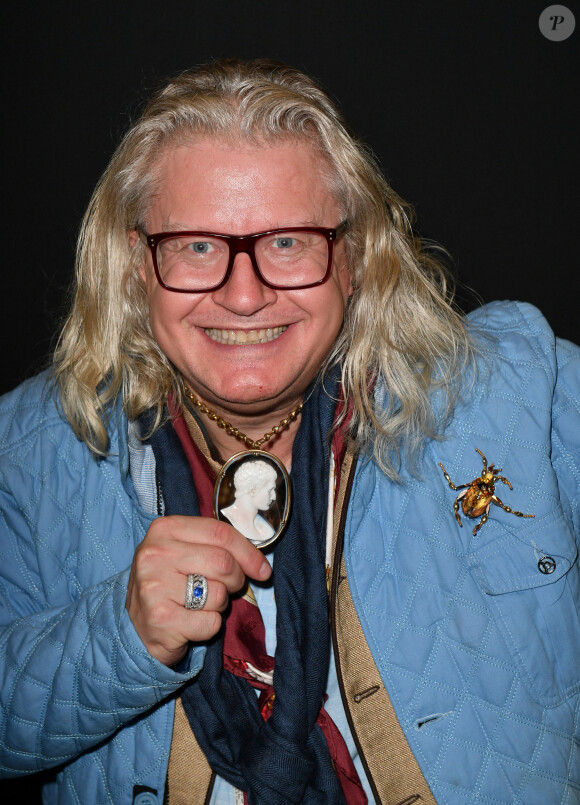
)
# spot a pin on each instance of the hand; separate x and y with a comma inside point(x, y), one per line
point(174, 547)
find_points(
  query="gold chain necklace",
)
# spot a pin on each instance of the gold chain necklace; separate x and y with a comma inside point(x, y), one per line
point(233, 431)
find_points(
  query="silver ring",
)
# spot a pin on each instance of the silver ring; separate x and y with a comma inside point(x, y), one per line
point(196, 591)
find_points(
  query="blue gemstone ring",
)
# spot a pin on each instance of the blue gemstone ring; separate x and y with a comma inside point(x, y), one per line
point(196, 591)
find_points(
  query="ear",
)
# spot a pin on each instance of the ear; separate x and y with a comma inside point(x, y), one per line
point(345, 275)
point(133, 241)
point(344, 272)
point(350, 289)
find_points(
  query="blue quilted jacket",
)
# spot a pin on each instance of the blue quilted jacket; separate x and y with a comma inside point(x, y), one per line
point(478, 649)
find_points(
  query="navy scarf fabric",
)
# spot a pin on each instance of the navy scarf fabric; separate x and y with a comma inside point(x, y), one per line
point(285, 759)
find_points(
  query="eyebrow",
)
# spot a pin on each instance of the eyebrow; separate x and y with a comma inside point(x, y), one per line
point(177, 226)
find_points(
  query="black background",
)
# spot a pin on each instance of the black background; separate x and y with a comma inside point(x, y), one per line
point(469, 109)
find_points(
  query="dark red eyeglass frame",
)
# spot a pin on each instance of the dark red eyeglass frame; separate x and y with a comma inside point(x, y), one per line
point(243, 244)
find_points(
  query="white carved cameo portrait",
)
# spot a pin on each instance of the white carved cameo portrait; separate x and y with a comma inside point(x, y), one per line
point(252, 493)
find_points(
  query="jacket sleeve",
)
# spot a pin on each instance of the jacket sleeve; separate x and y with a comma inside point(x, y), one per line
point(73, 668)
point(73, 676)
point(566, 431)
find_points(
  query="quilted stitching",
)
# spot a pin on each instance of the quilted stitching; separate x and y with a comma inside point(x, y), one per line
point(475, 722)
point(442, 645)
point(74, 669)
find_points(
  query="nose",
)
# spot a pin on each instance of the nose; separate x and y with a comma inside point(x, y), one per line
point(244, 293)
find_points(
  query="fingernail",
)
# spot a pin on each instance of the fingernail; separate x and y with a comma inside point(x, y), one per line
point(265, 570)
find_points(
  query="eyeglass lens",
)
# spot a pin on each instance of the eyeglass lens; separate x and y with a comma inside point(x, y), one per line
point(288, 259)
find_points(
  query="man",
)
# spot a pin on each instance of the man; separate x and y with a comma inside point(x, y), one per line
point(247, 280)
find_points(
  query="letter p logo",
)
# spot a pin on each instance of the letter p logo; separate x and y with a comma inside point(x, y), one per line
point(557, 23)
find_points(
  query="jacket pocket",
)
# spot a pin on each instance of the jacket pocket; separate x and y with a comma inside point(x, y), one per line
point(530, 577)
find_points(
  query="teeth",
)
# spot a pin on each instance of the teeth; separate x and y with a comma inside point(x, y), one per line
point(240, 337)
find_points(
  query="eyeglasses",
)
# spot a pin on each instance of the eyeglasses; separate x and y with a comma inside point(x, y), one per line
point(285, 259)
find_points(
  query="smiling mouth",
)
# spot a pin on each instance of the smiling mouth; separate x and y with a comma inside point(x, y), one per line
point(243, 337)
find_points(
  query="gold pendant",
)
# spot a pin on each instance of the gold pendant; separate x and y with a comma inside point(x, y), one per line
point(252, 492)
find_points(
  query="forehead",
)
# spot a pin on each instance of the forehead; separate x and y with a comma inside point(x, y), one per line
point(242, 187)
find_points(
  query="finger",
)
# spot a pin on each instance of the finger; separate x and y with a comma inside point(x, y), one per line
point(205, 530)
point(202, 625)
point(152, 594)
point(157, 610)
point(169, 639)
point(167, 567)
point(217, 595)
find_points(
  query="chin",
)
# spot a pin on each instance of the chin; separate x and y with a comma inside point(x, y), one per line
point(253, 397)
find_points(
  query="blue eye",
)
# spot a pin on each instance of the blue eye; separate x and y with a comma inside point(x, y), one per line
point(200, 247)
point(284, 242)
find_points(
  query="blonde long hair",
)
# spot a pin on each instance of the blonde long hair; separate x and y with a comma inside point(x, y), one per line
point(401, 329)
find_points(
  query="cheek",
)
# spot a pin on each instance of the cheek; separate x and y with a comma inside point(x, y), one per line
point(337, 295)
point(158, 312)
point(168, 309)
point(168, 320)
point(325, 304)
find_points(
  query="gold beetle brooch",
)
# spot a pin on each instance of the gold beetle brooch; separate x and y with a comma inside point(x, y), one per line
point(478, 495)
